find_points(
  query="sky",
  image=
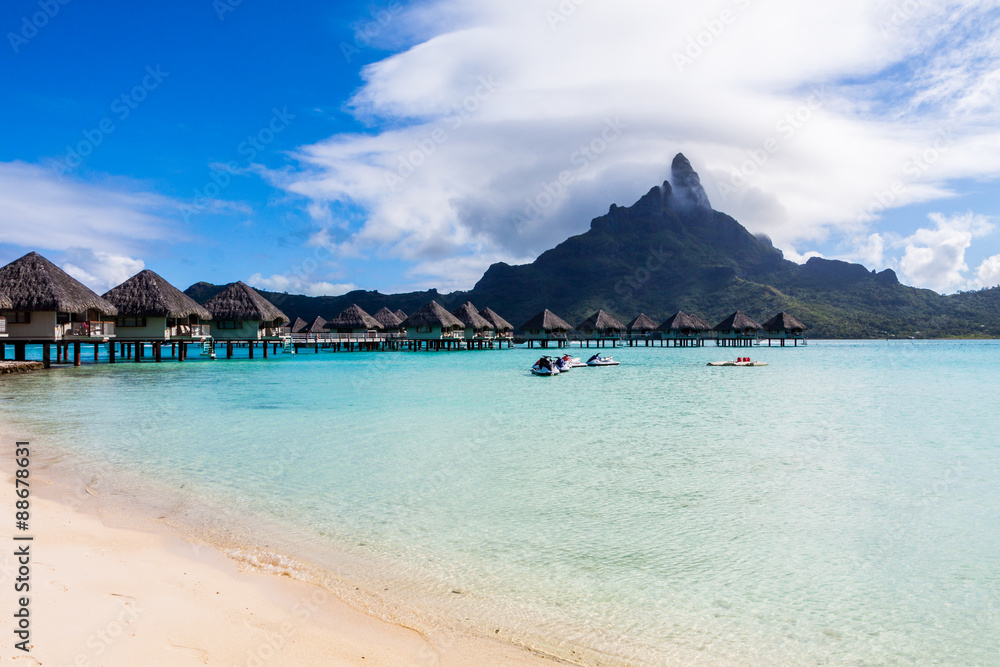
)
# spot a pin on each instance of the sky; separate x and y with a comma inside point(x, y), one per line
point(318, 147)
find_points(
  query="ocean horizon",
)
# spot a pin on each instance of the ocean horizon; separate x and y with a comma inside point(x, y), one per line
point(839, 506)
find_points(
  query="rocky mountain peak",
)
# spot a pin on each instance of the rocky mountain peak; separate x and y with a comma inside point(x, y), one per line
point(688, 191)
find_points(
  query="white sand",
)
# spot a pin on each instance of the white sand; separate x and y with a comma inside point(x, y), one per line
point(103, 595)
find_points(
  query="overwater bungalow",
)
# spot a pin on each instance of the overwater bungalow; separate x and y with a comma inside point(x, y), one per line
point(390, 321)
point(317, 327)
point(297, 326)
point(784, 327)
point(737, 330)
point(47, 305)
point(477, 327)
point(503, 329)
point(151, 310)
point(546, 327)
point(241, 314)
point(600, 327)
point(683, 330)
point(353, 323)
point(400, 314)
point(434, 328)
point(640, 329)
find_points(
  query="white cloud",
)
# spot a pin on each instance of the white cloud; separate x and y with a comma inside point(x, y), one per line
point(42, 210)
point(988, 273)
point(100, 270)
point(298, 285)
point(488, 109)
point(935, 258)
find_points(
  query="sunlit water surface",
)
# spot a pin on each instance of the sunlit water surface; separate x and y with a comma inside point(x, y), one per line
point(840, 506)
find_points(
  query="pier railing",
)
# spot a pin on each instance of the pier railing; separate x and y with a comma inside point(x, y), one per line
point(191, 331)
point(89, 329)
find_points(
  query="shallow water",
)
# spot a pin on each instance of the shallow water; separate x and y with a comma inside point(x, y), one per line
point(840, 506)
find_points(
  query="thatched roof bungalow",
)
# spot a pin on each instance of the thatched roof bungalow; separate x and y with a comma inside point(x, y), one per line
point(354, 321)
point(433, 322)
point(784, 327)
point(640, 329)
point(400, 314)
point(298, 326)
point(317, 326)
point(502, 327)
point(44, 303)
point(389, 320)
point(151, 309)
point(641, 325)
point(737, 330)
point(546, 326)
point(684, 330)
point(476, 326)
point(239, 312)
point(600, 326)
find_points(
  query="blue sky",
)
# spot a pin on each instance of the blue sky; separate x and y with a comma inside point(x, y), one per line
point(315, 147)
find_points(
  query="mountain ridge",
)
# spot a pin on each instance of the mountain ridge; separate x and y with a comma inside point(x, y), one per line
point(671, 251)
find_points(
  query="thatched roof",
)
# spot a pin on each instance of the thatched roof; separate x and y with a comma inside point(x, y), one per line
point(242, 303)
point(318, 325)
point(601, 321)
point(471, 318)
point(388, 319)
point(401, 315)
point(681, 320)
point(737, 320)
point(353, 317)
point(641, 323)
point(547, 321)
point(5, 302)
point(299, 325)
point(147, 294)
point(34, 283)
point(433, 315)
point(784, 322)
point(499, 323)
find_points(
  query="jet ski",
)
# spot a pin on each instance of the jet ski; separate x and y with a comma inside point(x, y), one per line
point(598, 360)
point(545, 366)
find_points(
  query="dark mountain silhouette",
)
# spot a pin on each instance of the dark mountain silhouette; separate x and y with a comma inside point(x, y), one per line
point(671, 251)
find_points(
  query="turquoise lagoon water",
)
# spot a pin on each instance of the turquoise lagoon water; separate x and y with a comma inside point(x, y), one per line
point(840, 506)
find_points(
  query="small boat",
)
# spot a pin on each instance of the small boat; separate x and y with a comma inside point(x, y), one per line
point(742, 361)
point(545, 366)
point(598, 360)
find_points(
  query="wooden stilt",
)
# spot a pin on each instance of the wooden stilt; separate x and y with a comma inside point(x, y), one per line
point(76, 354)
point(46, 356)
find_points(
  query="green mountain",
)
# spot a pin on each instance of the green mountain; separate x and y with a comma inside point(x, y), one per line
point(671, 251)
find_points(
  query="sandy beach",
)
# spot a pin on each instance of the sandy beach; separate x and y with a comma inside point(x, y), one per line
point(107, 595)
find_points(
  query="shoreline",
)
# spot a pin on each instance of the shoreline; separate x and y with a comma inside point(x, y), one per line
point(107, 589)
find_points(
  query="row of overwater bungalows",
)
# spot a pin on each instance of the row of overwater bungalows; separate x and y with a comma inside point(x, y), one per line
point(42, 304)
point(678, 330)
